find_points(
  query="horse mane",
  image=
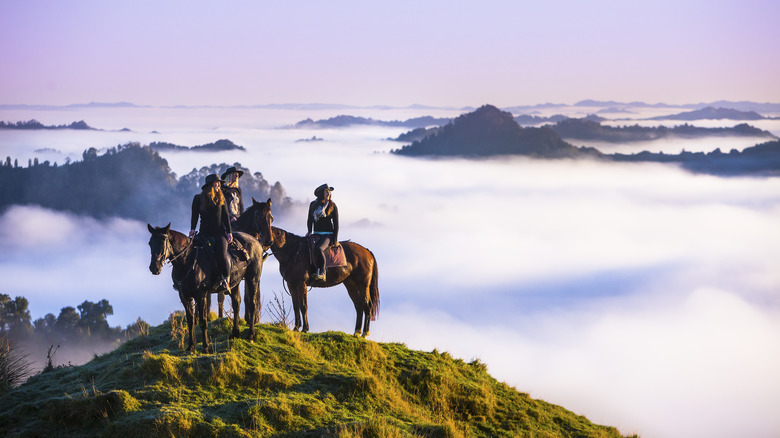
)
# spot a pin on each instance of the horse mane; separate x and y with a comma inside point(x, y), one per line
point(178, 240)
point(241, 222)
point(285, 237)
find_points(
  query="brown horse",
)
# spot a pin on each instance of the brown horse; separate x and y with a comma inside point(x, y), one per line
point(194, 277)
point(246, 224)
point(360, 275)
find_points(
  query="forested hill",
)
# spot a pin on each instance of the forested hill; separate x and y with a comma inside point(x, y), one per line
point(584, 129)
point(489, 131)
point(130, 181)
point(284, 384)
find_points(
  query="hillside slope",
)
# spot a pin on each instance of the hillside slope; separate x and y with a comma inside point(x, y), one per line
point(283, 384)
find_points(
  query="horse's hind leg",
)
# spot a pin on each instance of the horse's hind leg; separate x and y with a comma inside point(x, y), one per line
point(235, 299)
point(200, 305)
point(220, 303)
point(300, 306)
point(359, 302)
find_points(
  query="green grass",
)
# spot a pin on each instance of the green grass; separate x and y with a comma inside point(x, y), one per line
point(283, 384)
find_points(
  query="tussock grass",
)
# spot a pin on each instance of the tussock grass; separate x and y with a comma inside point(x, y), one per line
point(284, 384)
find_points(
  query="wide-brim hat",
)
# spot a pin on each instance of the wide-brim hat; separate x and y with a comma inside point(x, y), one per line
point(321, 189)
point(210, 180)
point(232, 170)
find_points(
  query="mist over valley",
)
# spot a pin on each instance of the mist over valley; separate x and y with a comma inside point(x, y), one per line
point(619, 290)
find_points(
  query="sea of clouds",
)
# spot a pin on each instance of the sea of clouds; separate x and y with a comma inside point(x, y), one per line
point(639, 295)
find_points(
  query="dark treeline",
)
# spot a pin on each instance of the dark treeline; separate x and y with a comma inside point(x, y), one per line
point(85, 323)
point(584, 129)
point(34, 124)
point(219, 145)
point(761, 159)
point(130, 181)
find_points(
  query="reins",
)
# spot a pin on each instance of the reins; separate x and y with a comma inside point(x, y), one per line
point(168, 240)
point(177, 283)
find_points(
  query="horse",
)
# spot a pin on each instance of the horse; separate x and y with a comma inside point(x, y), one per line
point(243, 223)
point(360, 275)
point(194, 276)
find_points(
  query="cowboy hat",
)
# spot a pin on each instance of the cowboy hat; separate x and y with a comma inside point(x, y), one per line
point(210, 180)
point(321, 189)
point(232, 170)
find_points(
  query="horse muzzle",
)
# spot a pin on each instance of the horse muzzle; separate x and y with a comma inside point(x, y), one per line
point(155, 267)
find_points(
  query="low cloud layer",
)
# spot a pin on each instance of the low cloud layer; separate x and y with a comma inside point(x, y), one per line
point(639, 295)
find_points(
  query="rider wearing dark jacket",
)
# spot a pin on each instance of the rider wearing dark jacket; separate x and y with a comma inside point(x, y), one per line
point(233, 197)
point(209, 206)
point(323, 222)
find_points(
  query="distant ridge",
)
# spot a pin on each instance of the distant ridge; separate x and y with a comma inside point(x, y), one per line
point(343, 121)
point(489, 131)
point(219, 145)
point(760, 107)
point(34, 125)
point(585, 129)
point(713, 113)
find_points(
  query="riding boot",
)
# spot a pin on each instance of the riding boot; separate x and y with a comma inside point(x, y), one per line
point(226, 283)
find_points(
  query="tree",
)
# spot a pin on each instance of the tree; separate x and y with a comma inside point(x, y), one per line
point(93, 317)
point(68, 322)
point(46, 326)
point(15, 317)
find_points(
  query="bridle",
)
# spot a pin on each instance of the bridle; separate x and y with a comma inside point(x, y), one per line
point(256, 223)
point(168, 250)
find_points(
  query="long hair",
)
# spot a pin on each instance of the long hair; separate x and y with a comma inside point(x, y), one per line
point(232, 182)
point(211, 196)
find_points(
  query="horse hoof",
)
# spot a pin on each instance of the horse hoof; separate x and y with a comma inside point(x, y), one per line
point(365, 335)
point(356, 334)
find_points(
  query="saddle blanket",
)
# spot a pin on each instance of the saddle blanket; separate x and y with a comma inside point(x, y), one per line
point(334, 256)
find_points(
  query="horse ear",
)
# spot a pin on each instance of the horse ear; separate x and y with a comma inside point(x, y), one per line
point(151, 229)
point(254, 202)
point(269, 202)
point(167, 228)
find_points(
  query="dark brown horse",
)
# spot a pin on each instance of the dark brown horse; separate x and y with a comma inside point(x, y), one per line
point(360, 275)
point(194, 276)
point(244, 223)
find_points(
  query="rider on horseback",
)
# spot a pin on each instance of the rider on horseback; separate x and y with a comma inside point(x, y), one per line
point(323, 222)
point(232, 192)
point(209, 205)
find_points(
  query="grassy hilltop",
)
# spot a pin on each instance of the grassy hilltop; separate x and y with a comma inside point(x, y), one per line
point(283, 384)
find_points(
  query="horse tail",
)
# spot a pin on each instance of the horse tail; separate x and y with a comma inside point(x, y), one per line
point(374, 289)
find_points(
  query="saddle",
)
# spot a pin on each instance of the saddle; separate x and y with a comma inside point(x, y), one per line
point(334, 254)
point(235, 248)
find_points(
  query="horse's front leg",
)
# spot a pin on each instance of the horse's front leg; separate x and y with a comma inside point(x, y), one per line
point(296, 292)
point(188, 313)
point(251, 294)
point(235, 298)
point(200, 305)
point(220, 302)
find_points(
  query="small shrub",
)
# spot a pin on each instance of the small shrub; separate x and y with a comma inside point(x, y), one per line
point(178, 321)
point(14, 368)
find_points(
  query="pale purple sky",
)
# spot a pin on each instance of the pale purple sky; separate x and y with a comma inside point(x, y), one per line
point(446, 53)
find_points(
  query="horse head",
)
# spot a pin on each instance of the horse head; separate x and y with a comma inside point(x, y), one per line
point(160, 246)
point(262, 218)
